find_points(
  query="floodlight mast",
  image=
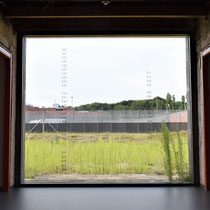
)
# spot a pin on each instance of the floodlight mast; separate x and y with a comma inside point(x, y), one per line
point(64, 77)
point(149, 97)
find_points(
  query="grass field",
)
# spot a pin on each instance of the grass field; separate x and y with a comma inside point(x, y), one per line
point(97, 153)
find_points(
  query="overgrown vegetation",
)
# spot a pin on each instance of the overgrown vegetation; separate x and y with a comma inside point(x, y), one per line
point(104, 153)
point(174, 155)
point(166, 143)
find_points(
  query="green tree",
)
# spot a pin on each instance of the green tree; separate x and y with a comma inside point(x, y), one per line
point(146, 104)
point(120, 107)
point(183, 102)
point(136, 105)
point(160, 103)
point(173, 103)
point(179, 105)
point(168, 101)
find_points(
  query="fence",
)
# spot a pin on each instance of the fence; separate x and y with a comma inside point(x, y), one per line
point(104, 121)
point(103, 127)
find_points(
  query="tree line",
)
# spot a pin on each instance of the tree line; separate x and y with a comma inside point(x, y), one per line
point(157, 103)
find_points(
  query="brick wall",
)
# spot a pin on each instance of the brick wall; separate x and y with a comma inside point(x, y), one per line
point(203, 40)
point(8, 39)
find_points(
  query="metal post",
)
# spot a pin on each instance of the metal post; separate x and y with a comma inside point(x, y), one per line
point(43, 120)
point(72, 101)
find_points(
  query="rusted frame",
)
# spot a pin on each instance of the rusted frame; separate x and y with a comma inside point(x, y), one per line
point(7, 119)
point(205, 71)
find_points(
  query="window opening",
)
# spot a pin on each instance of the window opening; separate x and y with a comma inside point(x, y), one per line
point(107, 110)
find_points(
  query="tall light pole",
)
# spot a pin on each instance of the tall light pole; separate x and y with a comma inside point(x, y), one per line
point(43, 119)
point(149, 97)
point(72, 101)
point(64, 77)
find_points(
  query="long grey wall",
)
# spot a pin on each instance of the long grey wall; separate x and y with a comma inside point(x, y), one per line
point(109, 116)
point(103, 127)
point(2, 79)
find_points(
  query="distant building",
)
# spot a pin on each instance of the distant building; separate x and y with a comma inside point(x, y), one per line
point(56, 106)
point(49, 111)
point(48, 115)
point(179, 117)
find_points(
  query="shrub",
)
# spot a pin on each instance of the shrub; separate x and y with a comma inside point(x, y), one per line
point(181, 167)
point(179, 157)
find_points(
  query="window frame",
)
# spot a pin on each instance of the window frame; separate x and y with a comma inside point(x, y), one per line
point(205, 102)
point(192, 81)
point(7, 116)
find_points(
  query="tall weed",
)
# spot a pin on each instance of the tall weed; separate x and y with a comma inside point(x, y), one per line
point(181, 167)
point(111, 155)
point(166, 141)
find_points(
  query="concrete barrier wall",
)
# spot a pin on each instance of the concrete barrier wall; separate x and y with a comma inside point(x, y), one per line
point(103, 127)
point(109, 116)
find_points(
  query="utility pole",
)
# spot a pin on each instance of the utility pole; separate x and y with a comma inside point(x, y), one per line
point(72, 101)
point(43, 119)
point(64, 77)
point(149, 97)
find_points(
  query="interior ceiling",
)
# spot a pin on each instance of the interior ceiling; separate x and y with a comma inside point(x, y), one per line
point(121, 14)
point(110, 0)
point(8, 2)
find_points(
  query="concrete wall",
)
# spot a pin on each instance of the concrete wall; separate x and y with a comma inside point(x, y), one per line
point(8, 40)
point(109, 116)
point(178, 117)
point(203, 40)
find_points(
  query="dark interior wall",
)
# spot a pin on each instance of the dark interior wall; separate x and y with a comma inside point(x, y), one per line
point(102, 25)
point(206, 94)
point(2, 78)
point(8, 40)
point(203, 40)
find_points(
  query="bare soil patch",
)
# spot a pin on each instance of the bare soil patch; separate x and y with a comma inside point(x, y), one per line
point(108, 178)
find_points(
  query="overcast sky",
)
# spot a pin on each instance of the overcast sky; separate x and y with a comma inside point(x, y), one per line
point(104, 69)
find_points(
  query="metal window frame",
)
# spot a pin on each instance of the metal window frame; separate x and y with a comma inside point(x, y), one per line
point(193, 97)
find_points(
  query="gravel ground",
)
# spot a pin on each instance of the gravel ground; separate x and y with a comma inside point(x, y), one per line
point(108, 178)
